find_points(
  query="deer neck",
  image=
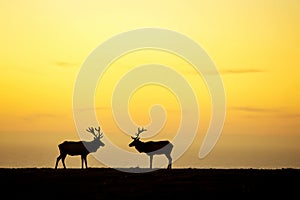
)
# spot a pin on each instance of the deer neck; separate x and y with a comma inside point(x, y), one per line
point(140, 146)
point(92, 146)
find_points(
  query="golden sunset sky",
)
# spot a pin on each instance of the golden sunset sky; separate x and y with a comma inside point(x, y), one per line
point(254, 45)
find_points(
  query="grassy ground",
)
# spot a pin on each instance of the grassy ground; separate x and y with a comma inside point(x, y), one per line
point(104, 183)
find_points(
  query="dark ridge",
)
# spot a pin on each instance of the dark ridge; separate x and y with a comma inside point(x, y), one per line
point(101, 183)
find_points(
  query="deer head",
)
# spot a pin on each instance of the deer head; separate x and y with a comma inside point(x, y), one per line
point(137, 138)
point(97, 136)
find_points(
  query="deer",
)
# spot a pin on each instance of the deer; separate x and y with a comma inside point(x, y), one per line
point(82, 148)
point(152, 148)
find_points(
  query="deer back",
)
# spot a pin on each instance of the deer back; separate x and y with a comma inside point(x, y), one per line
point(73, 148)
point(153, 146)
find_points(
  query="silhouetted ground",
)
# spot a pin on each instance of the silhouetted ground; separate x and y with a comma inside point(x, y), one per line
point(106, 183)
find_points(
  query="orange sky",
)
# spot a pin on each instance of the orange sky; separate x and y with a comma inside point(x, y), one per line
point(254, 45)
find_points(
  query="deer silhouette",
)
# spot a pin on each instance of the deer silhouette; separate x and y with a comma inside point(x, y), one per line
point(82, 148)
point(152, 148)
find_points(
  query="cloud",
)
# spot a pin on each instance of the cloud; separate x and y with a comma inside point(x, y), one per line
point(241, 71)
point(37, 116)
point(290, 115)
point(94, 108)
point(64, 64)
point(275, 112)
point(226, 72)
point(255, 109)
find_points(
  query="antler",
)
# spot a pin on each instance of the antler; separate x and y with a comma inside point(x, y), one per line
point(140, 131)
point(100, 134)
point(92, 130)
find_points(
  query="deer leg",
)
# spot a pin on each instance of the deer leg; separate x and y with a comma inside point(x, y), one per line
point(151, 159)
point(83, 161)
point(57, 160)
point(63, 157)
point(170, 161)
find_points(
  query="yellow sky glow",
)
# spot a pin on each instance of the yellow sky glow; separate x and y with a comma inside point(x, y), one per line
point(254, 45)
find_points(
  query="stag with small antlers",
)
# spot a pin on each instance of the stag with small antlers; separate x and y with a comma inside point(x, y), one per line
point(82, 148)
point(152, 148)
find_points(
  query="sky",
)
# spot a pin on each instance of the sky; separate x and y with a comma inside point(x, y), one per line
point(253, 44)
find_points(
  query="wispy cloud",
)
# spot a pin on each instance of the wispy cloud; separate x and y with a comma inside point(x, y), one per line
point(290, 115)
point(64, 64)
point(241, 71)
point(37, 116)
point(93, 108)
point(255, 109)
point(227, 72)
point(109, 109)
point(274, 112)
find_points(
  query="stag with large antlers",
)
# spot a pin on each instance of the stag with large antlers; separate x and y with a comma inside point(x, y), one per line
point(82, 148)
point(152, 148)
